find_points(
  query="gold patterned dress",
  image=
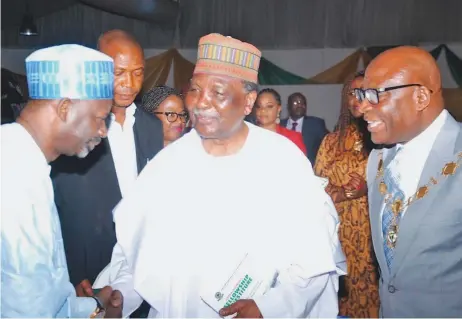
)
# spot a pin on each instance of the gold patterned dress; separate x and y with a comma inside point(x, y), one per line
point(361, 297)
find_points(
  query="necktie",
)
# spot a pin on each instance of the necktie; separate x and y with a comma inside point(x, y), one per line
point(294, 126)
point(391, 180)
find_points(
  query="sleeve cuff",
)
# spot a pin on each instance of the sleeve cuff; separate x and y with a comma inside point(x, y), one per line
point(132, 300)
point(84, 307)
point(271, 305)
point(290, 301)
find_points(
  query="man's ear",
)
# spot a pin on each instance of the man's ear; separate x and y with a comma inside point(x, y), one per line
point(422, 98)
point(249, 102)
point(63, 108)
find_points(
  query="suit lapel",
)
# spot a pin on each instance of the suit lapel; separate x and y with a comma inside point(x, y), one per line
point(109, 172)
point(441, 153)
point(375, 205)
point(107, 180)
point(305, 127)
point(141, 142)
point(375, 212)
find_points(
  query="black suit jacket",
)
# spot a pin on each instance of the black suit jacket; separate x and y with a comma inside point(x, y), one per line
point(313, 131)
point(87, 190)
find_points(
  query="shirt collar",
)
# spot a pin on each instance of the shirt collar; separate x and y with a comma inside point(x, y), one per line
point(299, 121)
point(129, 112)
point(428, 136)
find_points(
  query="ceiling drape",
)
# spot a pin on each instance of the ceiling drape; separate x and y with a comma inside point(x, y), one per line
point(269, 24)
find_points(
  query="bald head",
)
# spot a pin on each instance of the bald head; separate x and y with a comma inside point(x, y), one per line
point(119, 39)
point(408, 97)
point(128, 64)
point(410, 63)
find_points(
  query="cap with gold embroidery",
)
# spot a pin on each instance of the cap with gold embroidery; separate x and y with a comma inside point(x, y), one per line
point(222, 55)
point(70, 71)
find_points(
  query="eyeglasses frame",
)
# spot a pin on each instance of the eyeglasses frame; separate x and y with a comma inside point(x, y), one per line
point(184, 117)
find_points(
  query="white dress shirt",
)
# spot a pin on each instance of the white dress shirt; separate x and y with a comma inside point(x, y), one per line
point(409, 162)
point(299, 122)
point(35, 279)
point(122, 142)
point(172, 258)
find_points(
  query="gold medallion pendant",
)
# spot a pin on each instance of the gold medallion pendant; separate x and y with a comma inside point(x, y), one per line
point(392, 236)
point(396, 206)
point(382, 188)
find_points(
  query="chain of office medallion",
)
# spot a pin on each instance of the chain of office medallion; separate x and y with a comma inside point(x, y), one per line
point(397, 206)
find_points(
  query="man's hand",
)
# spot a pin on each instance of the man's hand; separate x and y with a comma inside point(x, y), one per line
point(112, 301)
point(84, 289)
point(246, 308)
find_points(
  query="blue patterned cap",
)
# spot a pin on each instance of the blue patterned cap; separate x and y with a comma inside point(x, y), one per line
point(70, 71)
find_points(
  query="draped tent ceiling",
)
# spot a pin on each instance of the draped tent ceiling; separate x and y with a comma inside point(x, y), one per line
point(269, 24)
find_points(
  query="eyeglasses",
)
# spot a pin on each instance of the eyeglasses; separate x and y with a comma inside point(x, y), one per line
point(173, 116)
point(372, 95)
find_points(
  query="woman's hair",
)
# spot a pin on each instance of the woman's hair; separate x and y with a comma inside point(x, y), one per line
point(275, 93)
point(155, 96)
point(346, 118)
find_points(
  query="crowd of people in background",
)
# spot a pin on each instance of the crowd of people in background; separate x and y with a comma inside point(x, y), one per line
point(378, 194)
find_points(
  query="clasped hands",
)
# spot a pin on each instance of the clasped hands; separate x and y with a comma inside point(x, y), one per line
point(356, 187)
point(112, 300)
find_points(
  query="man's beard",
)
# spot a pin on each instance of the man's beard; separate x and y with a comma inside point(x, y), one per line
point(83, 152)
point(88, 147)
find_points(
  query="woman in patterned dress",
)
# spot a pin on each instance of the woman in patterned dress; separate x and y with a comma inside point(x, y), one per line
point(342, 159)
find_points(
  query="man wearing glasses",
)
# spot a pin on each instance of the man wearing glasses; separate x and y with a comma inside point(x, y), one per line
point(313, 129)
point(414, 187)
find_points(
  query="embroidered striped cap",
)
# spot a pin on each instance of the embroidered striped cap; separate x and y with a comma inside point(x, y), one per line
point(70, 71)
point(222, 55)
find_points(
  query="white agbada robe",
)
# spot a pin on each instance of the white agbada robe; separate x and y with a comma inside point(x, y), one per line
point(191, 216)
point(35, 279)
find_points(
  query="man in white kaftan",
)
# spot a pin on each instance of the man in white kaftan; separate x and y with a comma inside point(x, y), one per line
point(71, 93)
point(178, 254)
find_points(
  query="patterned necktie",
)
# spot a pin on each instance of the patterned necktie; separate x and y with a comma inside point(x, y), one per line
point(294, 126)
point(392, 182)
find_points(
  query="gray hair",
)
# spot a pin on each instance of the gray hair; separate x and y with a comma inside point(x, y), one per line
point(250, 86)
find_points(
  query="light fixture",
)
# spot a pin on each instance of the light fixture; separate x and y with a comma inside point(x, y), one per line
point(28, 26)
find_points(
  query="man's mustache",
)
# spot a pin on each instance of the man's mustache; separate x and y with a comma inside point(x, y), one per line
point(94, 141)
point(206, 114)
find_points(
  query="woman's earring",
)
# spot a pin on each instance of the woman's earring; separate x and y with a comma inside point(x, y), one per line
point(278, 120)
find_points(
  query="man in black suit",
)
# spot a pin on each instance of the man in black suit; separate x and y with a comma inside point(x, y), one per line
point(87, 190)
point(312, 128)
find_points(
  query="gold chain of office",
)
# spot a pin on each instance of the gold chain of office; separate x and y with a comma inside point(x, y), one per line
point(398, 205)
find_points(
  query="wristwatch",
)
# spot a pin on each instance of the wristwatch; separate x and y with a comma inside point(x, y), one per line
point(99, 310)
